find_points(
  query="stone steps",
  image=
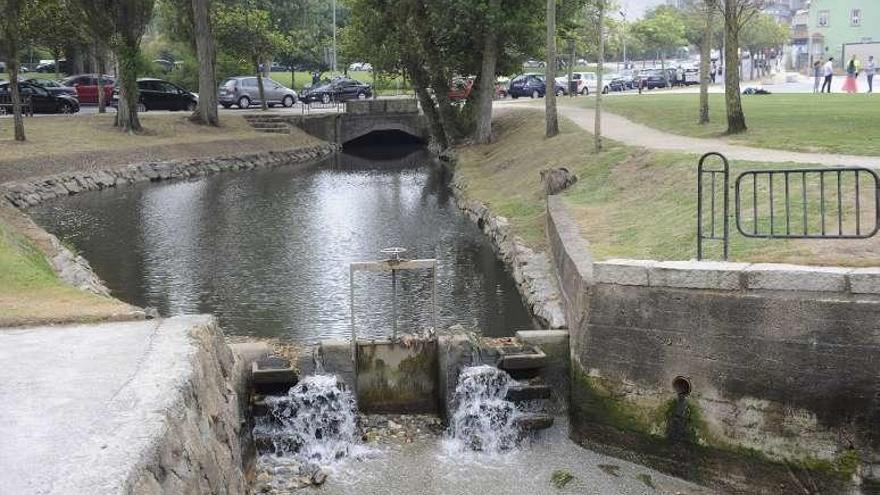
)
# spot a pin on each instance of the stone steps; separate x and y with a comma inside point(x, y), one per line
point(520, 358)
point(527, 392)
point(534, 421)
point(272, 375)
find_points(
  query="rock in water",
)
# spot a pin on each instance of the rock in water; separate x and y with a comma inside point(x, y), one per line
point(556, 180)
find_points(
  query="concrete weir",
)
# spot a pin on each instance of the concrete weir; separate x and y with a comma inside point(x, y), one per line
point(146, 407)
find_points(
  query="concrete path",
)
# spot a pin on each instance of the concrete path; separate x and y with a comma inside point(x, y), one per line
point(81, 405)
point(628, 132)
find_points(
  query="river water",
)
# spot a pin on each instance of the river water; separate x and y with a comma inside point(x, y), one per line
point(268, 251)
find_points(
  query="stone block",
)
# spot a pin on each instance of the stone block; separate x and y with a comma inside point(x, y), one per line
point(777, 276)
point(864, 280)
point(336, 358)
point(718, 275)
point(401, 105)
point(357, 106)
point(622, 272)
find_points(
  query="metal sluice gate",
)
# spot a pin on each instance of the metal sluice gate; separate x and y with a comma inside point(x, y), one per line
point(798, 203)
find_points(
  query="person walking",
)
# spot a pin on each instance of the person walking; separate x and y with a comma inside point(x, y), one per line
point(828, 70)
point(713, 71)
point(852, 72)
point(817, 75)
point(870, 70)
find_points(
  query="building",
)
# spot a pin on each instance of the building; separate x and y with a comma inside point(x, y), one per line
point(841, 28)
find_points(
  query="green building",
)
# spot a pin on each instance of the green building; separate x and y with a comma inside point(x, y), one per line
point(842, 28)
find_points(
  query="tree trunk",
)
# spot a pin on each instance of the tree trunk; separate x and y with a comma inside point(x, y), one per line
point(600, 66)
point(736, 119)
point(126, 114)
point(419, 81)
point(15, 94)
point(260, 90)
point(705, 63)
point(550, 116)
point(486, 88)
point(206, 112)
point(99, 67)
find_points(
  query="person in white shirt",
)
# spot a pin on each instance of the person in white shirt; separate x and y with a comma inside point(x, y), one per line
point(870, 70)
point(829, 73)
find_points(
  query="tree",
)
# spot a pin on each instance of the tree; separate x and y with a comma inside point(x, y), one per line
point(55, 25)
point(10, 36)
point(760, 33)
point(483, 129)
point(550, 116)
point(601, 5)
point(662, 31)
point(249, 34)
point(737, 14)
point(203, 38)
point(707, 10)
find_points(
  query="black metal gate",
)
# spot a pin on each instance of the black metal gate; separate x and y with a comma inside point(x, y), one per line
point(796, 203)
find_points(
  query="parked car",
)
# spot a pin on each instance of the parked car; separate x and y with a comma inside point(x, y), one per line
point(49, 66)
point(584, 82)
point(54, 87)
point(338, 89)
point(42, 101)
point(156, 94)
point(461, 88)
point(244, 91)
point(360, 67)
point(629, 78)
point(653, 78)
point(534, 64)
point(532, 85)
point(86, 86)
point(617, 83)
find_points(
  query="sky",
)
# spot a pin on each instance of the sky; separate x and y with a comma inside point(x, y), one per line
point(635, 8)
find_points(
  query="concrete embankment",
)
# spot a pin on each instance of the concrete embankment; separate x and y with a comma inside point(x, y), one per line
point(146, 407)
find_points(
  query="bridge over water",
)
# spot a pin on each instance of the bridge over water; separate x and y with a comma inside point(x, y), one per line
point(361, 118)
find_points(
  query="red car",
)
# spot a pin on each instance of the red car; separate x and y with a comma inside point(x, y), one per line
point(461, 88)
point(86, 86)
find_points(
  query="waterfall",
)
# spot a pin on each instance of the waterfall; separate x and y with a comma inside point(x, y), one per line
point(483, 419)
point(314, 423)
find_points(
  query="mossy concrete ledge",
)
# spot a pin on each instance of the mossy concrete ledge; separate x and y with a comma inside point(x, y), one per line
point(749, 378)
point(146, 407)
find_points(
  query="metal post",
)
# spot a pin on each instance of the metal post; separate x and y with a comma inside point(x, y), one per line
point(623, 30)
point(334, 37)
point(394, 304)
point(351, 302)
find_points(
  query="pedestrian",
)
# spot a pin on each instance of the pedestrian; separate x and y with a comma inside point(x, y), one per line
point(870, 70)
point(680, 76)
point(817, 75)
point(852, 72)
point(713, 71)
point(828, 70)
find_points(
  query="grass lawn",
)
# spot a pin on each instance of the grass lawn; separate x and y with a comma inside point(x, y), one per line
point(31, 293)
point(836, 123)
point(629, 203)
point(60, 143)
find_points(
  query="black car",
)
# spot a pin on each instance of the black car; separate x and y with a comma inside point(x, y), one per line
point(54, 87)
point(652, 79)
point(42, 101)
point(339, 89)
point(532, 85)
point(156, 94)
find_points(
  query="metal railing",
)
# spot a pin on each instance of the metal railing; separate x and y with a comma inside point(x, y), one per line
point(6, 107)
point(713, 173)
point(796, 203)
point(815, 203)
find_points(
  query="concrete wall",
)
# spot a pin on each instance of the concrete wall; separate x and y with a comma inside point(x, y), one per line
point(780, 362)
point(341, 128)
point(397, 378)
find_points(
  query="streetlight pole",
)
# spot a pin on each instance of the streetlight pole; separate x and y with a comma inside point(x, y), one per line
point(623, 14)
point(333, 55)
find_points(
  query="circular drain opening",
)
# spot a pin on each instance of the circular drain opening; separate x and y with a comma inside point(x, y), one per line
point(681, 385)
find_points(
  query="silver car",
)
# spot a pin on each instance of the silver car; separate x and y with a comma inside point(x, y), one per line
point(244, 92)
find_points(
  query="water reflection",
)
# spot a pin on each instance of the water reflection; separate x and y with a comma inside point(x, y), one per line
point(268, 250)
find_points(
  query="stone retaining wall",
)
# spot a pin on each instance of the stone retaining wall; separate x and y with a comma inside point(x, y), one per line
point(778, 362)
point(34, 191)
point(532, 271)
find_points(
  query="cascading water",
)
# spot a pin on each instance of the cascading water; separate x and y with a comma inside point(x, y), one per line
point(483, 419)
point(315, 423)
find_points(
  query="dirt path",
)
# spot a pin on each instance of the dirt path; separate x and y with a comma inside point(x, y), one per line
point(628, 132)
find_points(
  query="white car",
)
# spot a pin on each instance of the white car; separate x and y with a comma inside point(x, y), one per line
point(586, 82)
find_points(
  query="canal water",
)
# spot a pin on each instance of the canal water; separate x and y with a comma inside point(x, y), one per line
point(268, 251)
